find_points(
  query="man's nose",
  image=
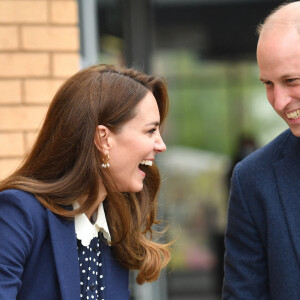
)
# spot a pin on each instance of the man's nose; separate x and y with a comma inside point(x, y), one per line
point(281, 98)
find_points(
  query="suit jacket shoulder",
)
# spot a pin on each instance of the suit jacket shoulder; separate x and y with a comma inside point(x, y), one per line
point(263, 159)
point(23, 228)
point(270, 152)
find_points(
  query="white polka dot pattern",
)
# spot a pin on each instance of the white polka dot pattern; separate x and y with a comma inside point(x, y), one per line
point(90, 264)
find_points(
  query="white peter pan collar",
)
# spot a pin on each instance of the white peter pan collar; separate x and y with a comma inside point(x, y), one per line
point(86, 231)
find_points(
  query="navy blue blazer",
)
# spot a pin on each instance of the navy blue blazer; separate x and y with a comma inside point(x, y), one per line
point(262, 258)
point(38, 254)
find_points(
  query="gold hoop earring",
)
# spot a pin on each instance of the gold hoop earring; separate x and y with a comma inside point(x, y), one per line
point(105, 160)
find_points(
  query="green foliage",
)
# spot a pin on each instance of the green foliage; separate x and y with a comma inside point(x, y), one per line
point(213, 103)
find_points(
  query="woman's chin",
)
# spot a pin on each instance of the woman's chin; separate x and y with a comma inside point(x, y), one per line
point(133, 189)
point(136, 188)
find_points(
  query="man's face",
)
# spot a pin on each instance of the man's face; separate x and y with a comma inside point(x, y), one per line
point(278, 57)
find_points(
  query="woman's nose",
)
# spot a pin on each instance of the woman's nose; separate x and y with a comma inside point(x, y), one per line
point(159, 145)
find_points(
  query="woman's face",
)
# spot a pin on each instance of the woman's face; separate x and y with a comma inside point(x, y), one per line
point(137, 142)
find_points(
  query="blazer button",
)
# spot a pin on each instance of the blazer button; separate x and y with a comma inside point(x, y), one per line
point(93, 287)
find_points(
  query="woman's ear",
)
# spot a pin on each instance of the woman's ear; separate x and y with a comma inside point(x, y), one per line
point(102, 138)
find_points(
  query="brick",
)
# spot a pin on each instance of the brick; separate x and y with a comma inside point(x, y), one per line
point(22, 117)
point(41, 90)
point(24, 65)
point(18, 12)
point(30, 138)
point(10, 91)
point(12, 144)
point(50, 38)
point(7, 166)
point(9, 38)
point(64, 12)
point(65, 65)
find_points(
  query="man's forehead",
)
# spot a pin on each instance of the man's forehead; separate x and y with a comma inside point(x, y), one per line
point(279, 36)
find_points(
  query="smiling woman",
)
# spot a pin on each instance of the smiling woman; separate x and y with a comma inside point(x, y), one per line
point(136, 143)
point(80, 208)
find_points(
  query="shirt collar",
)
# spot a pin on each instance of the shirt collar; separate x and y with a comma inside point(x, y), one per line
point(86, 231)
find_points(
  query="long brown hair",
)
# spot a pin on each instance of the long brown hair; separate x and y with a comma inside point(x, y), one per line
point(64, 163)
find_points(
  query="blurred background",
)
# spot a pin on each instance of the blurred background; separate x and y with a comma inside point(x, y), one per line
point(219, 113)
point(205, 49)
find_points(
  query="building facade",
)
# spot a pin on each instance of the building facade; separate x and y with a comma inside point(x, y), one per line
point(39, 49)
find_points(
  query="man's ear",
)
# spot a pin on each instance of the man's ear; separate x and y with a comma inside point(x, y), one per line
point(102, 138)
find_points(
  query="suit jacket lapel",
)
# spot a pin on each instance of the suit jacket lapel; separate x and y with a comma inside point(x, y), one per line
point(62, 234)
point(287, 172)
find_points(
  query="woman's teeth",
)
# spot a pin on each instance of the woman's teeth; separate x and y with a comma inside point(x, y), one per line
point(146, 162)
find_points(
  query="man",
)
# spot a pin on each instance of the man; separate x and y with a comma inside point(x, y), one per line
point(262, 259)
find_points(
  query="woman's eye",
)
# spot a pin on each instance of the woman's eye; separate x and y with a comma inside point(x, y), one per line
point(152, 130)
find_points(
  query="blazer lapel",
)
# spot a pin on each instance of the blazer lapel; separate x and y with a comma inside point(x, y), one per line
point(287, 172)
point(62, 234)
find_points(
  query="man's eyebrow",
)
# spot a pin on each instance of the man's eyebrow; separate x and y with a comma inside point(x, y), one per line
point(290, 76)
point(285, 76)
point(262, 79)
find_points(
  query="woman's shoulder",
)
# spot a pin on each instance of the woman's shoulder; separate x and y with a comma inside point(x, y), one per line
point(25, 211)
point(21, 199)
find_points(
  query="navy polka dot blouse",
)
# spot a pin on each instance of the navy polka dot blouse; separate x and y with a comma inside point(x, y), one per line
point(92, 275)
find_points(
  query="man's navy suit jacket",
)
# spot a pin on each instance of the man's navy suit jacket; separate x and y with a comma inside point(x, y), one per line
point(38, 254)
point(262, 259)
